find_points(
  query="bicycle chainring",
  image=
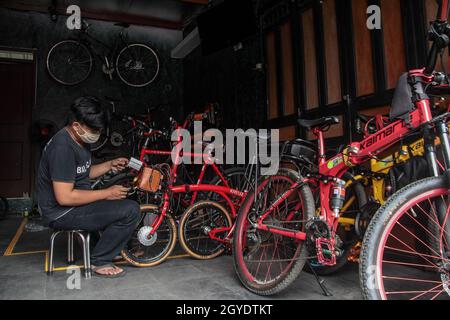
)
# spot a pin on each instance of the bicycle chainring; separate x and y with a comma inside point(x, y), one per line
point(116, 139)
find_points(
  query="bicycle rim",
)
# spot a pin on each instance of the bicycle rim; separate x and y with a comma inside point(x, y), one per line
point(137, 65)
point(266, 259)
point(69, 62)
point(409, 264)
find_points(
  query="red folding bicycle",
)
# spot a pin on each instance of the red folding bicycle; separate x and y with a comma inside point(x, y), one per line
point(213, 215)
point(279, 227)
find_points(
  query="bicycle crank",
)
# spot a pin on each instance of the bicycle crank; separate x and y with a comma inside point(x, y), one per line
point(143, 236)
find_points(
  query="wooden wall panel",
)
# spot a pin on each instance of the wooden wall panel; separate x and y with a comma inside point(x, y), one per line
point(394, 43)
point(431, 8)
point(288, 133)
point(288, 69)
point(311, 81)
point(332, 52)
point(363, 49)
point(379, 110)
point(272, 76)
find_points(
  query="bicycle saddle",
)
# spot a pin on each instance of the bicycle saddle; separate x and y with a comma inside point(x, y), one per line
point(122, 24)
point(323, 122)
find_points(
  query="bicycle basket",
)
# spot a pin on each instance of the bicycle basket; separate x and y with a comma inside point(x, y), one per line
point(149, 180)
point(300, 150)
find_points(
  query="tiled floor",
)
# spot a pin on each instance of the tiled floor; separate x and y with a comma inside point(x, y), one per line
point(23, 277)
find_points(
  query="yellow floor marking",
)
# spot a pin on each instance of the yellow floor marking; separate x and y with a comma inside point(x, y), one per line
point(10, 251)
point(16, 238)
point(26, 253)
point(178, 257)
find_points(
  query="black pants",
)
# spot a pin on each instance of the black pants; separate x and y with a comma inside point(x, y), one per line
point(116, 219)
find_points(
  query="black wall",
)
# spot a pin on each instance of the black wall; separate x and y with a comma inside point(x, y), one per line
point(36, 30)
point(229, 78)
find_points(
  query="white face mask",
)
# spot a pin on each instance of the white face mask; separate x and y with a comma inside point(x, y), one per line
point(87, 137)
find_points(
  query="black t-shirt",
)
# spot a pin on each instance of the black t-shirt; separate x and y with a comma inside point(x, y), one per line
point(63, 160)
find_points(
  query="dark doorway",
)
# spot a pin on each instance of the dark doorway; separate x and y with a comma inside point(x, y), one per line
point(17, 88)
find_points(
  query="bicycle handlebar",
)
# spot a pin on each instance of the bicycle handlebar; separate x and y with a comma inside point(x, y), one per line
point(439, 34)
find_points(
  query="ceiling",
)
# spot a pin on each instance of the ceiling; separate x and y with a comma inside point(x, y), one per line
point(170, 14)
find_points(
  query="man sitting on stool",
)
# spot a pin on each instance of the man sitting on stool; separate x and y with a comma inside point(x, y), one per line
point(65, 198)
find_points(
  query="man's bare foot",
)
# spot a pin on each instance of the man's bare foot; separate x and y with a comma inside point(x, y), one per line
point(108, 270)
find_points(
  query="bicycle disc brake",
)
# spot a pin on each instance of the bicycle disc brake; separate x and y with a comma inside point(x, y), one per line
point(143, 237)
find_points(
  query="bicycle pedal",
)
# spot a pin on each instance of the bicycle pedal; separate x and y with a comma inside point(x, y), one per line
point(326, 255)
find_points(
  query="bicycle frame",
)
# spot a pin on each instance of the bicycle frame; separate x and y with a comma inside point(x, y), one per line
point(357, 153)
point(224, 191)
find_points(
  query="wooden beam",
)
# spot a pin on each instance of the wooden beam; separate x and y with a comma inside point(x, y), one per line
point(102, 15)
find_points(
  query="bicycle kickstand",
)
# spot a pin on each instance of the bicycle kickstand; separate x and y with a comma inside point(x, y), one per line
point(320, 281)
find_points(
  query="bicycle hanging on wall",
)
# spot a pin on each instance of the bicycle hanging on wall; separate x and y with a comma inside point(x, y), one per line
point(70, 62)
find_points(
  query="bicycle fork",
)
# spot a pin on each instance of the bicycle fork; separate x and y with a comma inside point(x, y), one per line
point(441, 206)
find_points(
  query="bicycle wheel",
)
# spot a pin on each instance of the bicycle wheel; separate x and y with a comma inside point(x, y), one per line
point(236, 179)
point(69, 62)
point(402, 257)
point(196, 224)
point(142, 251)
point(264, 262)
point(137, 65)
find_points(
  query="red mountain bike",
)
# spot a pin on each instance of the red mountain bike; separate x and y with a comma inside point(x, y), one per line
point(406, 252)
point(278, 228)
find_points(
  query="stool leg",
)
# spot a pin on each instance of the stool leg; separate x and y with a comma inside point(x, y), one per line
point(70, 258)
point(83, 239)
point(88, 256)
point(52, 245)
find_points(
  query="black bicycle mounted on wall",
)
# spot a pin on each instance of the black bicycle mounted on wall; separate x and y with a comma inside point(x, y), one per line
point(70, 62)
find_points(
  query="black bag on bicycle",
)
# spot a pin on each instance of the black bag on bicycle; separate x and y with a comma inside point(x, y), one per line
point(405, 173)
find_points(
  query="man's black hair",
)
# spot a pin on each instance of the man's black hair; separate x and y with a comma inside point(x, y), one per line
point(88, 111)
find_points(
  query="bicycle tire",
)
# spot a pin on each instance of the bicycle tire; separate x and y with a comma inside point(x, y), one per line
point(151, 78)
point(163, 255)
point(297, 265)
point(382, 222)
point(52, 70)
point(197, 253)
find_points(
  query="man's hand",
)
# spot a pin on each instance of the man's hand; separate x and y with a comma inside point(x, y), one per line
point(119, 164)
point(117, 193)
